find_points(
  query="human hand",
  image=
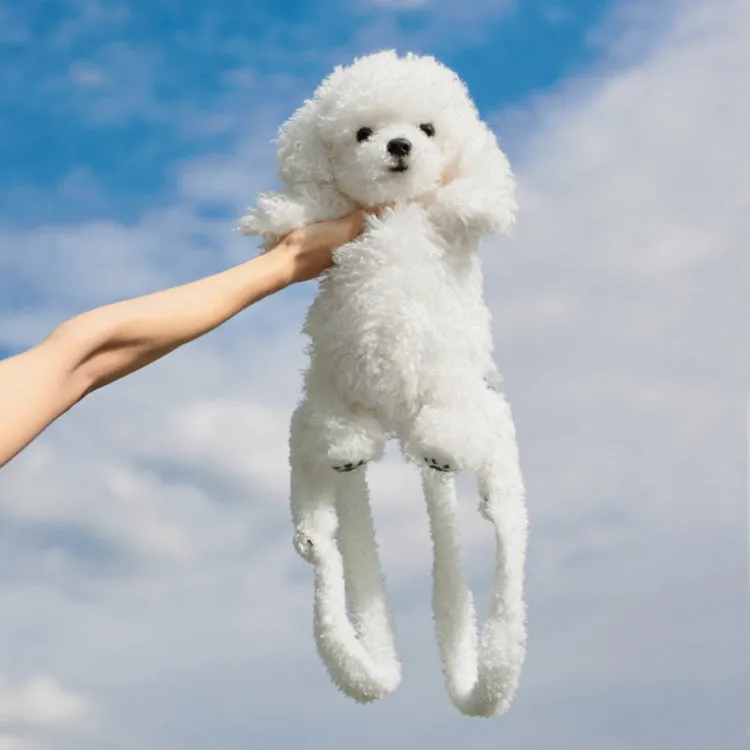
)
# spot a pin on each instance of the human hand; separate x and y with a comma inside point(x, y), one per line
point(310, 249)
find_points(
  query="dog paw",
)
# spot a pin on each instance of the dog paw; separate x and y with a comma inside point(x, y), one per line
point(441, 465)
point(304, 546)
point(315, 534)
point(349, 466)
point(484, 508)
point(448, 437)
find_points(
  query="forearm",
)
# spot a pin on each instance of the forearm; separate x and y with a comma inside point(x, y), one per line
point(115, 340)
point(105, 344)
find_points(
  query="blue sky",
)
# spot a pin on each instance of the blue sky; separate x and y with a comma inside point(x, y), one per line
point(121, 91)
point(150, 595)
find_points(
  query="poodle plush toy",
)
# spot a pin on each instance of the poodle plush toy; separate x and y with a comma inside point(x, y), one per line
point(401, 347)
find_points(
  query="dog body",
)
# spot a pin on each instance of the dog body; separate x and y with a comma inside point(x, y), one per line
point(379, 341)
point(401, 346)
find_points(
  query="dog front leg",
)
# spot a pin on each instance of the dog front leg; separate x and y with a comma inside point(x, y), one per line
point(469, 208)
point(278, 213)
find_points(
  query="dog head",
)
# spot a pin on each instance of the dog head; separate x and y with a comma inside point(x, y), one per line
point(383, 129)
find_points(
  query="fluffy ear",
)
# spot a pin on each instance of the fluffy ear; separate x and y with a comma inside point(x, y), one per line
point(503, 180)
point(477, 197)
point(482, 159)
point(302, 154)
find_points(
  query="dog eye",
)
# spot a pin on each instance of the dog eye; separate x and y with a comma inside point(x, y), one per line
point(428, 129)
point(363, 134)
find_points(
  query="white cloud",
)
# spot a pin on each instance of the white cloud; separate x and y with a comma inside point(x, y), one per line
point(37, 708)
point(11, 742)
point(39, 700)
point(146, 535)
point(86, 75)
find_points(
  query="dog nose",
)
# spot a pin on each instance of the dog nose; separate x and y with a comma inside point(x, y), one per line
point(399, 147)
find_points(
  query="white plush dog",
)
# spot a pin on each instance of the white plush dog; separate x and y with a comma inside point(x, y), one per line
point(401, 347)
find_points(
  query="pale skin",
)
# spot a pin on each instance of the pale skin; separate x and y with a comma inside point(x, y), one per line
point(100, 346)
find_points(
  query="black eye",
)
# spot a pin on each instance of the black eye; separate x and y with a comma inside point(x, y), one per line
point(363, 134)
point(428, 129)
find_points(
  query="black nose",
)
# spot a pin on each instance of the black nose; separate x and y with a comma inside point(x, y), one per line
point(399, 147)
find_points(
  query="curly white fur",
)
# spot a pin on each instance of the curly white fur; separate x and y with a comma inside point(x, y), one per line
point(401, 346)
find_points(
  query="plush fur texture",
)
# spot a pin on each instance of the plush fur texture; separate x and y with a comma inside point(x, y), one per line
point(401, 347)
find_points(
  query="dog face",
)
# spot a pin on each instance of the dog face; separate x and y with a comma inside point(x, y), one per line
point(383, 129)
point(380, 152)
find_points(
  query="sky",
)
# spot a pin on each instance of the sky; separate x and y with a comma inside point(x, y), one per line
point(150, 595)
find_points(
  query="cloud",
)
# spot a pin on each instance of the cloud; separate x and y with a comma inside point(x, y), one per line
point(9, 742)
point(150, 524)
point(36, 707)
point(40, 700)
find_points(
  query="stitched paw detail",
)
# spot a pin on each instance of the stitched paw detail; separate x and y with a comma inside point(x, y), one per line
point(484, 508)
point(438, 465)
point(348, 467)
point(304, 546)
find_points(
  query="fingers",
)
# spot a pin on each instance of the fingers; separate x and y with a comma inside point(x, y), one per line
point(328, 235)
point(339, 231)
point(355, 221)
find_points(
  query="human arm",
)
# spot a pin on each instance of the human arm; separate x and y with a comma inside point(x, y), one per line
point(103, 345)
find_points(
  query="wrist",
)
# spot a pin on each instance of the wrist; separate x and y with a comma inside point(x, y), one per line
point(300, 255)
point(280, 262)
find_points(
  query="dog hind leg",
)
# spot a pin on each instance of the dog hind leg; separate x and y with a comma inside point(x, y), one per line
point(482, 673)
point(334, 532)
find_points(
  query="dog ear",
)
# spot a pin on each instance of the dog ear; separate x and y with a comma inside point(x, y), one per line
point(302, 153)
point(478, 191)
point(488, 163)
